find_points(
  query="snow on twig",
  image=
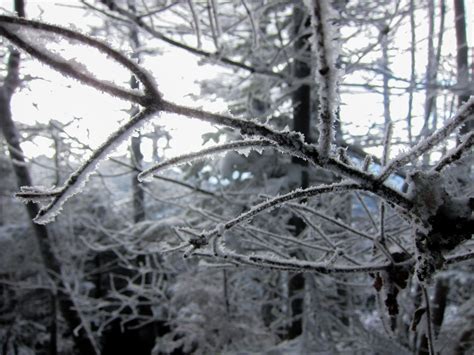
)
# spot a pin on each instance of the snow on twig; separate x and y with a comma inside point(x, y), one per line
point(9, 29)
point(289, 142)
point(455, 153)
point(147, 174)
point(293, 143)
point(275, 202)
point(78, 179)
point(272, 262)
point(205, 54)
point(326, 51)
point(36, 194)
point(464, 113)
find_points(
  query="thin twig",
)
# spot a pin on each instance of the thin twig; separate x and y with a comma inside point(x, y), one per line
point(464, 113)
point(189, 157)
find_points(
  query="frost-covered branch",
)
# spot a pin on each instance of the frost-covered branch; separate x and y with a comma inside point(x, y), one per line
point(455, 153)
point(138, 20)
point(78, 179)
point(295, 265)
point(275, 202)
point(10, 26)
point(464, 113)
point(289, 142)
point(325, 49)
point(147, 174)
point(293, 143)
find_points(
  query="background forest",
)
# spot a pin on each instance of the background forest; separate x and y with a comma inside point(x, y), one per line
point(276, 177)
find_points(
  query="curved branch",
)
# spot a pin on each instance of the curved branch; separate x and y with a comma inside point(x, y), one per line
point(463, 115)
point(293, 265)
point(78, 179)
point(456, 153)
point(152, 93)
point(203, 238)
point(146, 175)
point(293, 143)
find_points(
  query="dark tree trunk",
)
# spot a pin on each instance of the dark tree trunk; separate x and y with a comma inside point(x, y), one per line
point(462, 60)
point(66, 305)
point(462, 50)
point(301, 123)
point(137, 155)
point(53, 327)
point(9, 130)
point(439, 304)
point(138, 194)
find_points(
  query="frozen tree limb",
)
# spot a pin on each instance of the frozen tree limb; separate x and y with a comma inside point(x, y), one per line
point(185, 158)
point(203, 238)
point(227, 61)
point(465, 113)
point(78, 179)
point(456, 153)
point(293, 143)
point(9, 25)
point(294, 265)
point(288, 142)
point(324, 48)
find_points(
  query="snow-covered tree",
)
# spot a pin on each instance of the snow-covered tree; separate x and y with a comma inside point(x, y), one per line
point(308, 205)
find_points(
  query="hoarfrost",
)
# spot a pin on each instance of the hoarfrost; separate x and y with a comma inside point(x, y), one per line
point(76, 181)
point(245, 145)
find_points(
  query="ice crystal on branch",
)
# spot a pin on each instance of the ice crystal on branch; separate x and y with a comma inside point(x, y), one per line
point(326, 50)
